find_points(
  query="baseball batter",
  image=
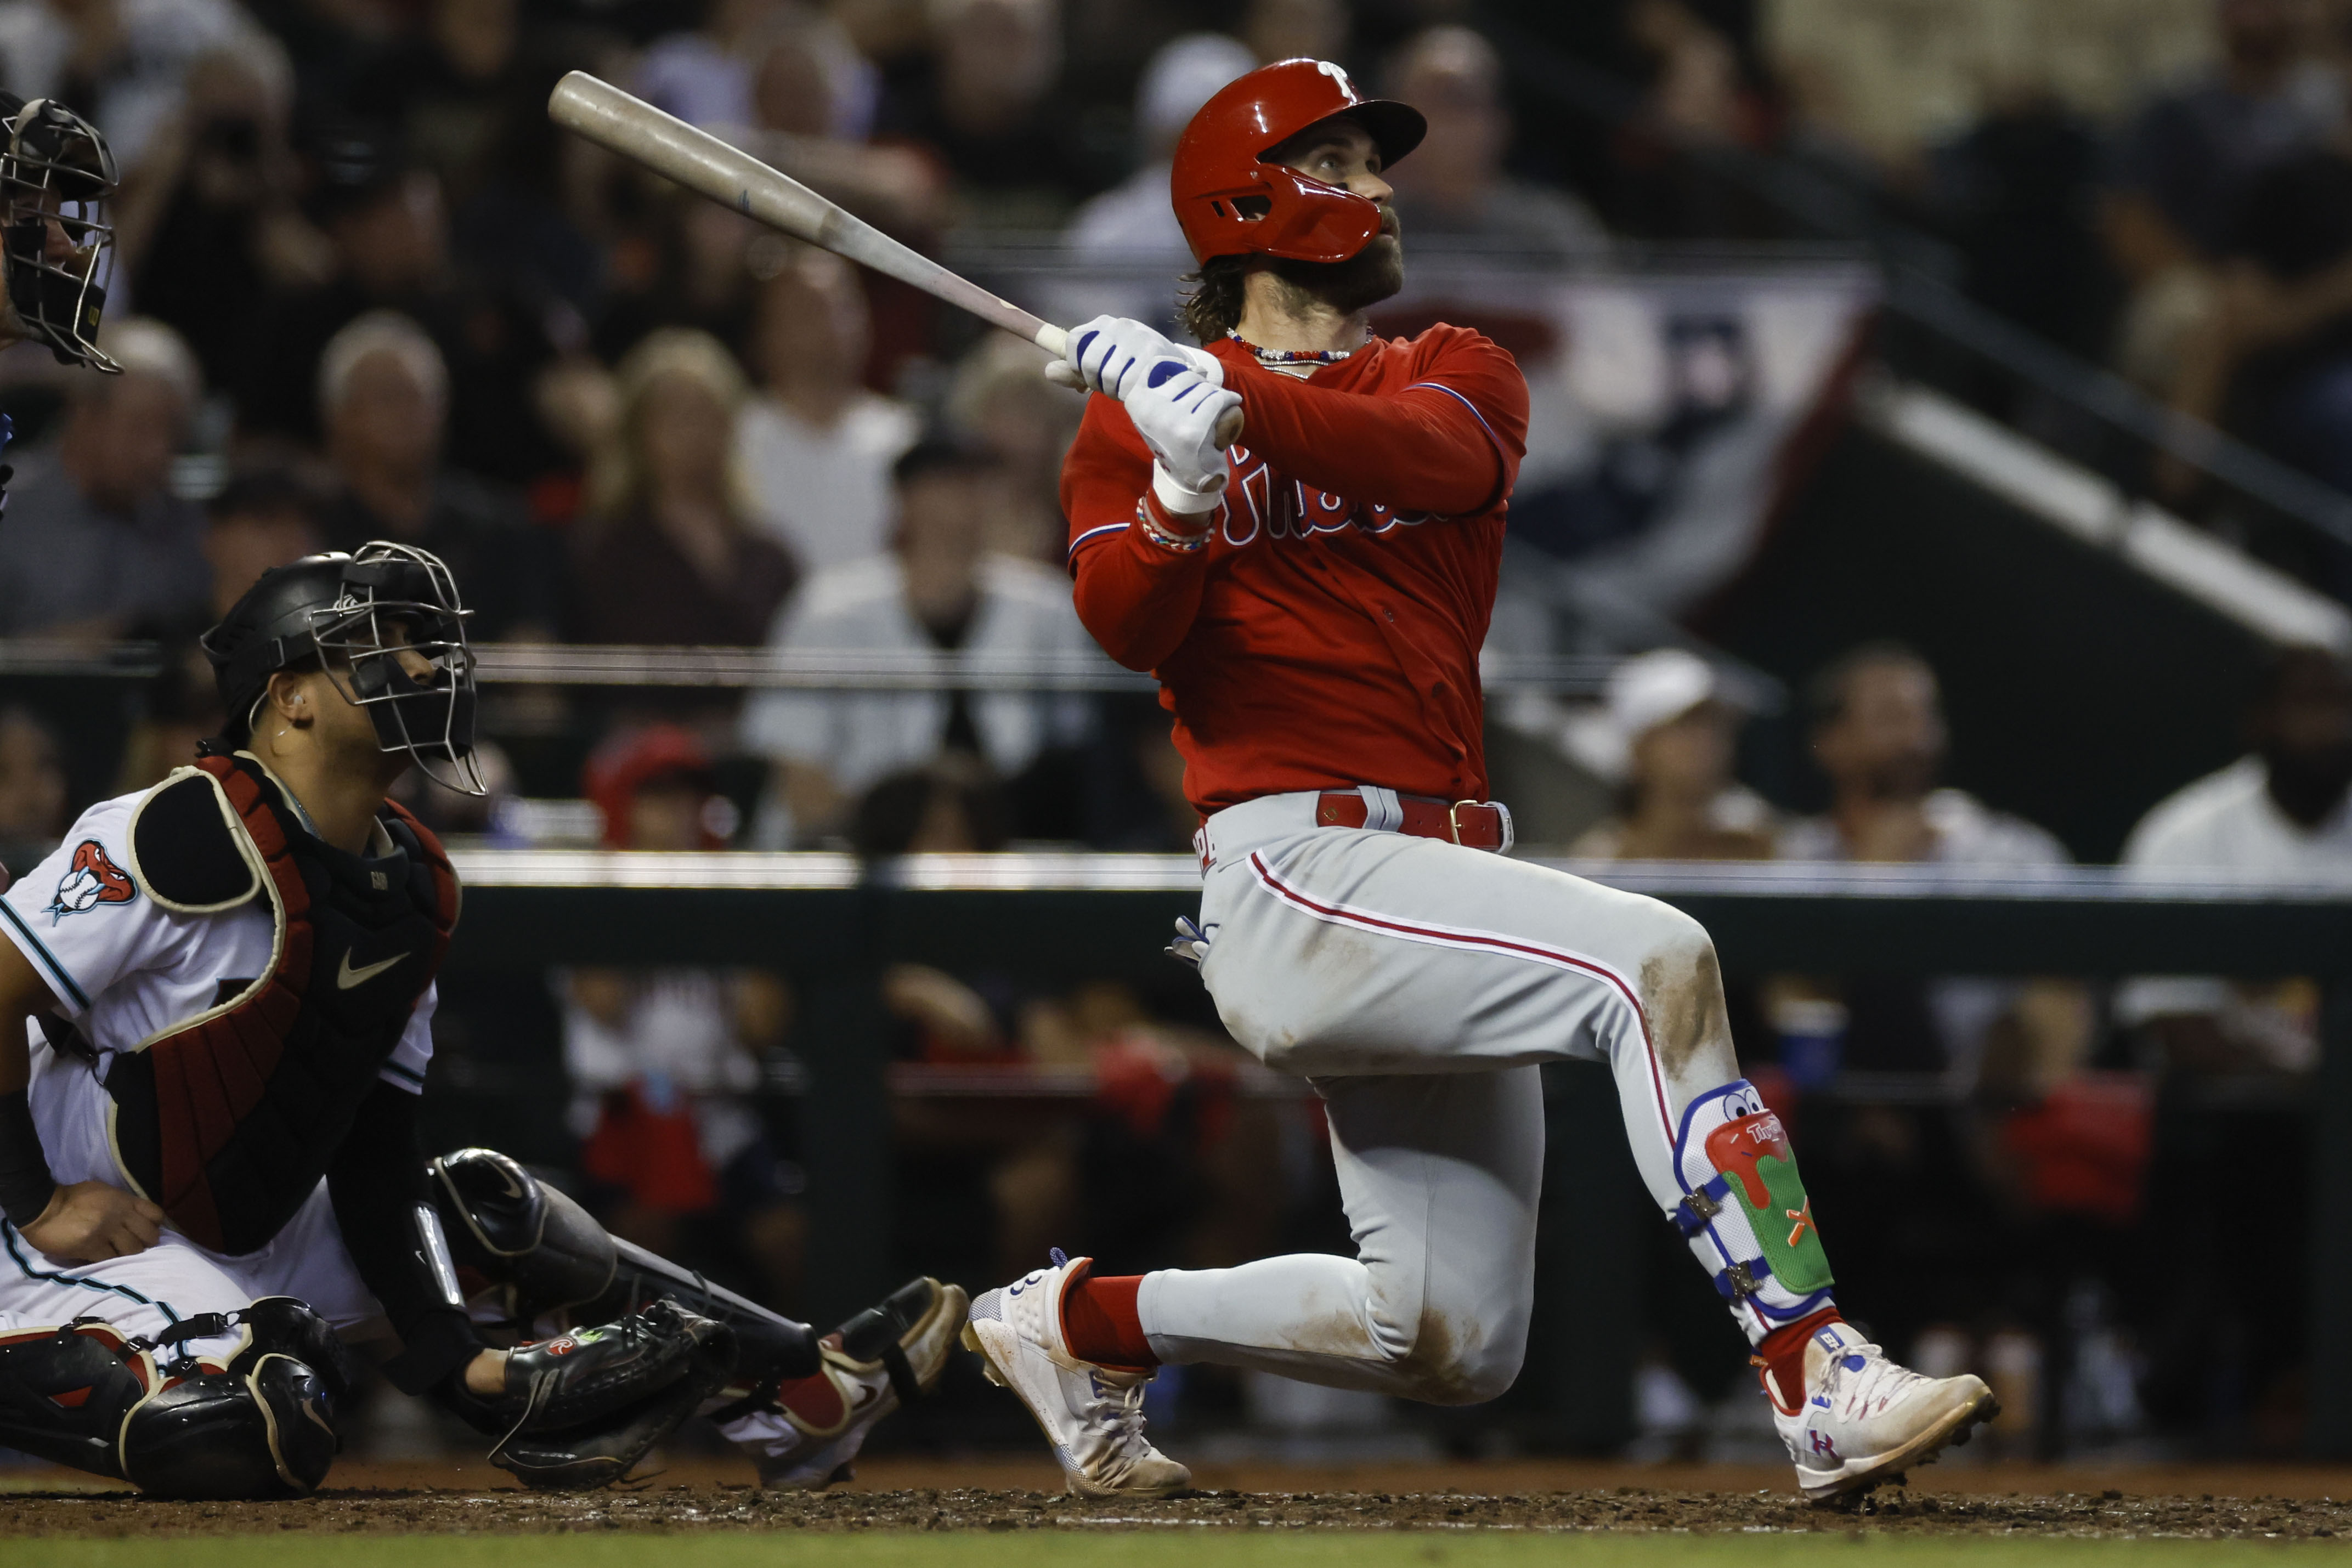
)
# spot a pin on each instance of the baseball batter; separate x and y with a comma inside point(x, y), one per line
point(1313, 600)
point(216, 1007)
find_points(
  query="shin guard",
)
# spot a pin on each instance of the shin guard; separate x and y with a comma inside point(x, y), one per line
point(260, 1425)
point(1744, 1212)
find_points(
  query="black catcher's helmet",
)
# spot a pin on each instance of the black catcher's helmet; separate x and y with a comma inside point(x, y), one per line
point(356, 615)
point(56, 176)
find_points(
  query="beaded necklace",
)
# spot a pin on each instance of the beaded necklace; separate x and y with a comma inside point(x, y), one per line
point(1292, 356)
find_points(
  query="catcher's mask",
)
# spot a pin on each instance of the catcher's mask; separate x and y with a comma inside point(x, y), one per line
point(387, 625)
point(56, 176)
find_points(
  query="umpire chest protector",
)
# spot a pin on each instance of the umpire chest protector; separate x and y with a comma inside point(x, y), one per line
point(229, 1119)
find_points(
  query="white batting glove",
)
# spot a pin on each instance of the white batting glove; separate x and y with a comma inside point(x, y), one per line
point(1177, 410)
point(1111, 353)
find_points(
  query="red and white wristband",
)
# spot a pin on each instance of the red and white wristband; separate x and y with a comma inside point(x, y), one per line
point(1175, 516)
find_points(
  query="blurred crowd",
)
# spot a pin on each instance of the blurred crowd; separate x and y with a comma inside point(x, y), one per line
point(2161, 187)
point(365, 290)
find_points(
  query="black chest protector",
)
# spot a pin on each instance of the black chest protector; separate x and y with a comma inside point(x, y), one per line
point(229, 1119)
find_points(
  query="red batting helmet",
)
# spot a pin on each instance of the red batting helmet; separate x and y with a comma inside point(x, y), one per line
point(1230, 202)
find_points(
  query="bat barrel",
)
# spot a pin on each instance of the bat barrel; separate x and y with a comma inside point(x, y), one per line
point(628, 125)
point(638, 132)
point(700, 161)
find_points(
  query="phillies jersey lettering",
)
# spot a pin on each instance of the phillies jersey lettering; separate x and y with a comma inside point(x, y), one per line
point(1328, 634)
point(1261, 503)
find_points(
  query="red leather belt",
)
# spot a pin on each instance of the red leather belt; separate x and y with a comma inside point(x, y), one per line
point(1473, 824)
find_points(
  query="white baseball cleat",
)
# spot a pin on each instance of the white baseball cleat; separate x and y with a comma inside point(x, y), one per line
point(885, 1356)
point(1093, 1416)
point(1862, 1418)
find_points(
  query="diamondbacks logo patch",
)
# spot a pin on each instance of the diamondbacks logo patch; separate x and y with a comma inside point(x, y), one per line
point(91, 880)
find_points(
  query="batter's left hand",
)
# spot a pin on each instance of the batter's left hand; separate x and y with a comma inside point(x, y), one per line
point(90, 1221)
point(1113, 355)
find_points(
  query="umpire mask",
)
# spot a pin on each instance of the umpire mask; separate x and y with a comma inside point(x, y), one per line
point(389, 628)
point(56, 176)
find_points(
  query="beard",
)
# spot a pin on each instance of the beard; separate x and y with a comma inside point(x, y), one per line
point(2309, 785)
point(1910, 777)
point(1374, 274)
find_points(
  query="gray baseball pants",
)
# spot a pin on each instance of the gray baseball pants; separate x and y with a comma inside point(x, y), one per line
point(1419, 986)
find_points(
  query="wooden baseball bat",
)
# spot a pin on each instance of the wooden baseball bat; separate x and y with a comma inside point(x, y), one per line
point(638, 132)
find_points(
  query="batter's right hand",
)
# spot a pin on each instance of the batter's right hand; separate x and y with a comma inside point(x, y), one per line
point(90, 1221)
point(1111, 355)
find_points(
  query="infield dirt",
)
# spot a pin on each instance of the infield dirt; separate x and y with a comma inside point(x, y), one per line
point(916, 1495)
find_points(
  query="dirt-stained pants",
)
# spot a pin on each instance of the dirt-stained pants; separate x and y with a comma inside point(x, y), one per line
point(1419, 984)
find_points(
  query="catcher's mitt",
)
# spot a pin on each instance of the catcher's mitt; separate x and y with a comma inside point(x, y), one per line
point(580, 1409)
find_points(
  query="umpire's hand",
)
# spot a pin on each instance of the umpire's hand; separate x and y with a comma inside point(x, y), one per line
point(89, 1220)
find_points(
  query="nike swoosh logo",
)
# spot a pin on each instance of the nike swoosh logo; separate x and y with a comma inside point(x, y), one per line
point(347, 976)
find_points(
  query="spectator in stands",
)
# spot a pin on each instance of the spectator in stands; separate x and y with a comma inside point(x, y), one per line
point(1453, 186)
point(704, 74)
point(447, 88)
point(1133, 221)
point(2187, 156)
point(2279, 815)
point(937, 591)
point(1135, 781)
point(124, 63)
point(1295, 29)
point(262, 518)
point(95, 541)
point(1878, 732)
point(388, 229)
point(32, 791)
point(665, 554)
point(2181, 174)
point(665, 1063)
point(2272, 354)
point(984, 101)
point(814, 446)
point(1927, 1180)
point(386, 220)
point(998, 403)
point(2017, 191)
point(1879, 735)
point(678, 260)
point(214, 225)
point(1669, 735)
point(383, 400)
point(812, 104)
point(1702, 89)
point(953, 806)
point(178, 708)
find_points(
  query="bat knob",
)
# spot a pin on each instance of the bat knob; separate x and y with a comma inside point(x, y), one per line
point(1229, 429)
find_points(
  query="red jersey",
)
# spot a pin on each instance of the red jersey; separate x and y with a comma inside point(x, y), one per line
point(1328, 634)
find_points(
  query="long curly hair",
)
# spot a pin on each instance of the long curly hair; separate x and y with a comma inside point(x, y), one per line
point(616, 478)
point(1212, 305)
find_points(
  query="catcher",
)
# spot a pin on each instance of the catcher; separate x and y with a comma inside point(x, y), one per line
point(209, 1160)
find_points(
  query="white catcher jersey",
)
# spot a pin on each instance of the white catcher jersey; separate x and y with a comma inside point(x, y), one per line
point(122, 970)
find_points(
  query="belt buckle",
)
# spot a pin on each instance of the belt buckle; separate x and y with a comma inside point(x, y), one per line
point(1502, 813)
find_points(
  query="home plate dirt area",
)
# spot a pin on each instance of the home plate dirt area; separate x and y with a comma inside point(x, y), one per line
point(1514, 1498)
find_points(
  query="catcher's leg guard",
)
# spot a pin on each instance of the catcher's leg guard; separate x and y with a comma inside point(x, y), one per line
point(508, 1228)
point(1744, 1212)
point(260, 1425)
